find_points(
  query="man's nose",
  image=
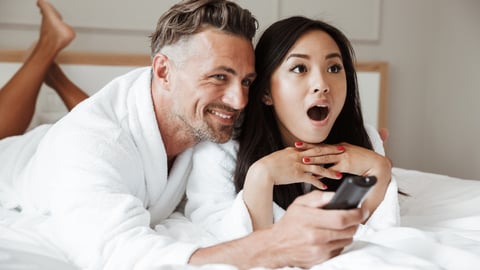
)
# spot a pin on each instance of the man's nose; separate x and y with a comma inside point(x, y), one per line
point(236, 97)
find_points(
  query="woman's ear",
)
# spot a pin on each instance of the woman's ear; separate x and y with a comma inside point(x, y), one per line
point(160, 70)
point(267, 99)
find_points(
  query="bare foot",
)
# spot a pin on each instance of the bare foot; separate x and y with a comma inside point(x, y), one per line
point(53, 30)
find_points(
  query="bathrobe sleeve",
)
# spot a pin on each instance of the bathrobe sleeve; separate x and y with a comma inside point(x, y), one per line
point(387, 213)
point(88, 177)
point(212, 201)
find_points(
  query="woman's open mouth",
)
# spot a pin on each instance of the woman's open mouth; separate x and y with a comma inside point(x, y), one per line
point(318, 112)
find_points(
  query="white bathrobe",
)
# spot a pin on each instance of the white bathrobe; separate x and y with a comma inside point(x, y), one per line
point(213, 203)
point(100, 175)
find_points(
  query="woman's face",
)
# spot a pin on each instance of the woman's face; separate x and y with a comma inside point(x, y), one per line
point(308, 89)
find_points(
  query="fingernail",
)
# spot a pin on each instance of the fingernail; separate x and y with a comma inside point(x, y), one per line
point(306, 160)
point(339, 175)
point(340, 148)
point(298, 144)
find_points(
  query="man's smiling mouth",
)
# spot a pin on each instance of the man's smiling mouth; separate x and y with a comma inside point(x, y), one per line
point(221, 115)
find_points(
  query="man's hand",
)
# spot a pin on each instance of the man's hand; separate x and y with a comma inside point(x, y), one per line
point(308, 235)
point(305, 236)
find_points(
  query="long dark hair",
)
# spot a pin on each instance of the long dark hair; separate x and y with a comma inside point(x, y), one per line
point(258, 134)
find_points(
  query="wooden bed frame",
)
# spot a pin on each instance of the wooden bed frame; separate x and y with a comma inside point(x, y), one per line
point(109, 59)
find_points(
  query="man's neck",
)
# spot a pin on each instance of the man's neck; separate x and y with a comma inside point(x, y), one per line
point(175, 137)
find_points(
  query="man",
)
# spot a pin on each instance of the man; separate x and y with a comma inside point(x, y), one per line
point(117, 164)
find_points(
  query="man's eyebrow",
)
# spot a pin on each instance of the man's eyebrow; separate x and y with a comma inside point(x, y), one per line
point(233, 72)
point(228, 70)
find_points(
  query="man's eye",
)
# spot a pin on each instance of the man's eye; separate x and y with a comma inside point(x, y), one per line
point(220, 77)
point(299, 69)
point(335, 69)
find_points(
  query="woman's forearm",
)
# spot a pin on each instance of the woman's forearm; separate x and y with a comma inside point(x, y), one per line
point(258, 196)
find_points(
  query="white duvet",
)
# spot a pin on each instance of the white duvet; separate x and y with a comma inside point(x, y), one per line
point(440, 230)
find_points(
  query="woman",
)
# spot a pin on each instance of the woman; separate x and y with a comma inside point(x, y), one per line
point(302, 124)
point(18, 96)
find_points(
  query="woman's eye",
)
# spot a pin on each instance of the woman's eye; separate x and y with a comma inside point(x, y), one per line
point(246, 82)
point(299, 69)
point(335, 68)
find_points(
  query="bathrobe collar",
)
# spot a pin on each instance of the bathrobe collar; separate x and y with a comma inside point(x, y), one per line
point(165, 190)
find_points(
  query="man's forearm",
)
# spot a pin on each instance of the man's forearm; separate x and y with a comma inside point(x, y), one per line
point(245, 253)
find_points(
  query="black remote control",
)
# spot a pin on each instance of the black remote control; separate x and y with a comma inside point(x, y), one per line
point(351, 192)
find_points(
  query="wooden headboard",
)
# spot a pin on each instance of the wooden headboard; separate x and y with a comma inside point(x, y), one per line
point(93, 70)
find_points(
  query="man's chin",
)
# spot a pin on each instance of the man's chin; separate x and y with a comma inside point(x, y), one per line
point(221, 136)
point(215, 137)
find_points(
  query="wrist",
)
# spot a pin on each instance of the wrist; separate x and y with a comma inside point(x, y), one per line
point(244, 253)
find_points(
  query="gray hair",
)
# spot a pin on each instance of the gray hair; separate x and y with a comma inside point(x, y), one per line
point(192, 16)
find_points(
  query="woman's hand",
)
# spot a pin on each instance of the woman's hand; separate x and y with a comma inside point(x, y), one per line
point(303, 163)
point(361, 161)
point(356, 160)
point(286, 166)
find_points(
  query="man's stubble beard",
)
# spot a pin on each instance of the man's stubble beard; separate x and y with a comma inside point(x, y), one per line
point(204, 132)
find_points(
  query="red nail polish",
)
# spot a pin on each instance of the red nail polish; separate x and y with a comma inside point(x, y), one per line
point(306, 159)
point(339, 175)
point(340, 148)
point(298, 144)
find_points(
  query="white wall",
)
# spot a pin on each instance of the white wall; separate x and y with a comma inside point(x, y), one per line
point(432, 47)
point(433, 51)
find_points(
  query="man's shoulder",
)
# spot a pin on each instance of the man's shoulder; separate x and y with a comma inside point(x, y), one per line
point(230, 146)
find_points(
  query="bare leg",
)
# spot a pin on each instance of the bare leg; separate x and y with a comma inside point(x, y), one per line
point(18, 97)
point(69, 92)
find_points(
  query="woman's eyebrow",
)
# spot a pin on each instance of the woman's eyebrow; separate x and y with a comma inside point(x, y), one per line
point(299, 55)
point(333, 55)
point(305, 56)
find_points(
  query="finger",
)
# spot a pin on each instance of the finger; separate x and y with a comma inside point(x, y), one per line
point(311, 207)
point(318, 172)
point(347, 218)
point(315, 199)
point(337, 252)
point(321, 159)
point(319, 181)
point(321, 149)
point(341, 219)
point(338, 246)
point(316, 183)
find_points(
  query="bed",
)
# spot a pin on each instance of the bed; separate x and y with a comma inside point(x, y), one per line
point(440, 227)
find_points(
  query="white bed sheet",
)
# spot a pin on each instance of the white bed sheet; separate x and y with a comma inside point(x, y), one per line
point(440, 230)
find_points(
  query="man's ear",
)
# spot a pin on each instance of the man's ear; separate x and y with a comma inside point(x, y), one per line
point(267, 99)
point(160, 70)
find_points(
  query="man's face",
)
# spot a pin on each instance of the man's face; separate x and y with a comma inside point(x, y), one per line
point(210, 88)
